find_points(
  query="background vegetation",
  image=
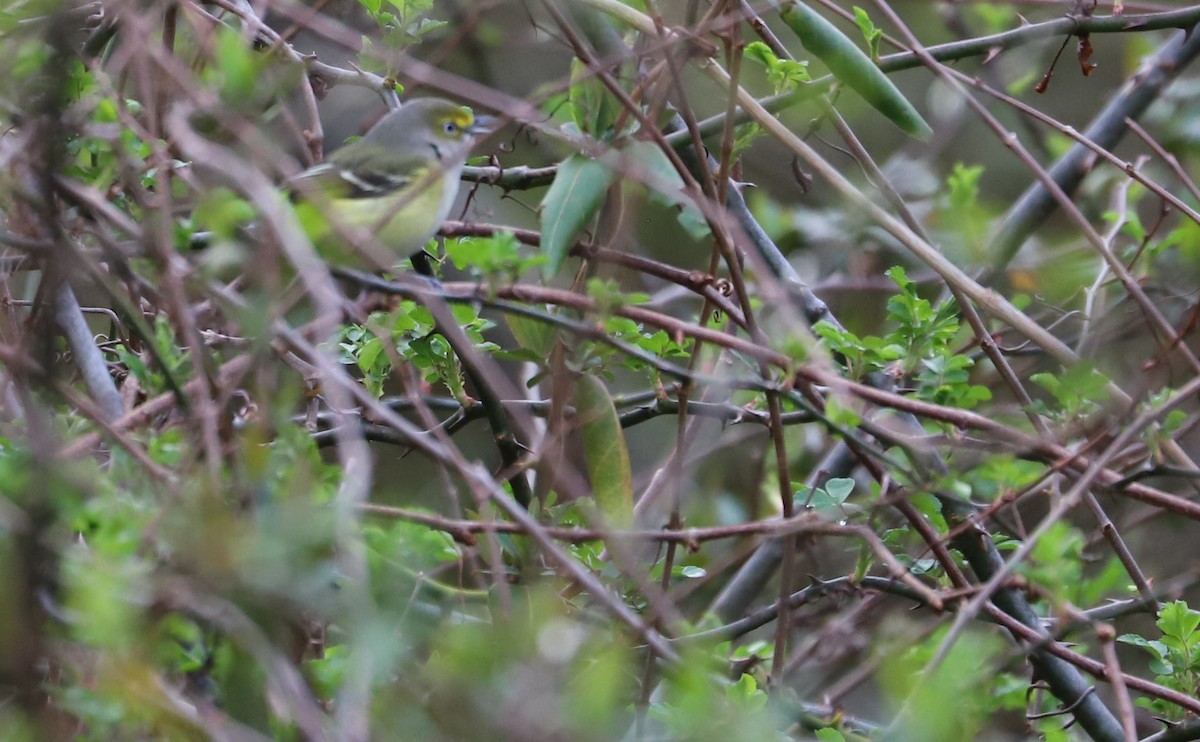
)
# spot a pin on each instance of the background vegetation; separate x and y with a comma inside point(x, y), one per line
point(797, 370)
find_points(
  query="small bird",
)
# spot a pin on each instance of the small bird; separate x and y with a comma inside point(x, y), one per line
point(397, 183)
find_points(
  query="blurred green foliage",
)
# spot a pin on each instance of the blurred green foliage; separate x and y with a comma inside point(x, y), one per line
point(225, 567)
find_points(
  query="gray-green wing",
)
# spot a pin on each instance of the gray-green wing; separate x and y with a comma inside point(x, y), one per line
point(360, 170)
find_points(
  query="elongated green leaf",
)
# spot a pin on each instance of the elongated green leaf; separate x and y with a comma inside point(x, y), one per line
point(850, 65)
point(574, 196)
point(666, 185)
point(605, 451)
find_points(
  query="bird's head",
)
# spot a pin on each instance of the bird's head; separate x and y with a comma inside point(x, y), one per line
point(436, 124)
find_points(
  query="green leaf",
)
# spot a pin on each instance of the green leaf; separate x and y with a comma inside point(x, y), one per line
point(839, 489)
point(666, 185)
point(532, 334)
point(869, 32)
point(1176, 621)
point(931, 508)
point(222, 211)
point(1155, 648)
point(827, 500)
point(964, 185)
point(497, 256)
point(573, 198)
point(851, 66)
point(237, 63)
point(840, 414)
point(1077, 389)
point(369, 353)
point(604, 450)
point(784, 74)
point(30, 58)
point(761, 53)
point(329, 671)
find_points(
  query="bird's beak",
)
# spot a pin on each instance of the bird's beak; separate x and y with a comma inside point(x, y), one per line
point(482, 126)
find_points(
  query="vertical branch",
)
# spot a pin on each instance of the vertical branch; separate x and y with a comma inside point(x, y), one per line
point(88, 358)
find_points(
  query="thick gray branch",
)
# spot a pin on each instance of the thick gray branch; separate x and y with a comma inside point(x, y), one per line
point(1106, 130)
point(88, 359)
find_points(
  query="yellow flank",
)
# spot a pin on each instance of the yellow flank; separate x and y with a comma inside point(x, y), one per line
point(402, 227)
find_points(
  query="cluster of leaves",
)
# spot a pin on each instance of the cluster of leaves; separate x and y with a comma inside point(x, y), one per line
point(1058, 566)
point(920, 349)
point(1175, 655)
point(409, 332)
point(497, 258)
point(627, 345)
point(402, 23)
point(177, 577)
point(785, 75)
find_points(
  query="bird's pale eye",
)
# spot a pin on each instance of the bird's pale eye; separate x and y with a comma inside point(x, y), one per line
point(450, 128)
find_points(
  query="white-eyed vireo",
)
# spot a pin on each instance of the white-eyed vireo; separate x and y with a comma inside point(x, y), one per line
point(397, 183)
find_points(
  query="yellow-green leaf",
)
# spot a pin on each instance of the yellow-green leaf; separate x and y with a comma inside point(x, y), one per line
point(532, 334)
point(573, 198)
point(605, 451)
point(666, 185)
